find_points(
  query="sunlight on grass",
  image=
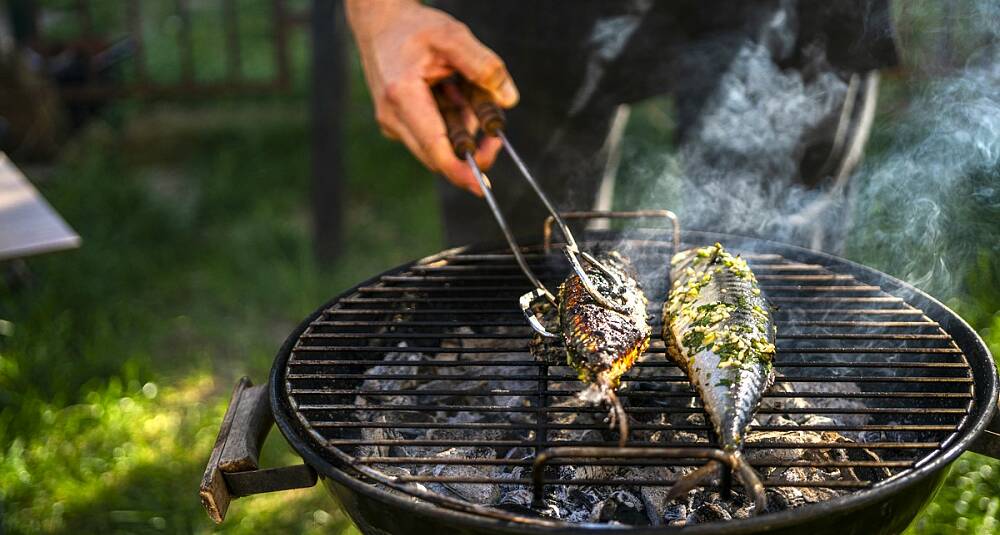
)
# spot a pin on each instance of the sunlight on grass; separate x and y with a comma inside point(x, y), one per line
point(105, 467)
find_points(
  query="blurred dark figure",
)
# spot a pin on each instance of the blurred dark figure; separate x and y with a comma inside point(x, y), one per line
point(782, 89)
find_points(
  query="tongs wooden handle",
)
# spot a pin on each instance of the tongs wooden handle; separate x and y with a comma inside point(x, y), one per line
point(446, 95)
point(449, 100)
point(449, 95)
point(491, 118)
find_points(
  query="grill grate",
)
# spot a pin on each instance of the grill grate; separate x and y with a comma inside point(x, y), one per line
point(891, 383)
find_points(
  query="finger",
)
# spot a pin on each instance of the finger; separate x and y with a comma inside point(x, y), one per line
point(422, 119)
point(434, 157)
point(456, 171)
point(478, 64)
point(416, 150)
point(487, 151)
point(389, 133)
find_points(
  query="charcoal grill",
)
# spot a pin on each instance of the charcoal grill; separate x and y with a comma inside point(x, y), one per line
point(917, 377)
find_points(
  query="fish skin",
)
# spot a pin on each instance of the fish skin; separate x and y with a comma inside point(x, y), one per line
point(600, 344)
point(603, 344)
point(703, 330)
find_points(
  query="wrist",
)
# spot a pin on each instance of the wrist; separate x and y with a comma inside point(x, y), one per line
point(367, 18)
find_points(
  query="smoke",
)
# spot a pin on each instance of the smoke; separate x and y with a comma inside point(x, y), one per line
point(930, 204)
point(924, 205)
point(742, 157)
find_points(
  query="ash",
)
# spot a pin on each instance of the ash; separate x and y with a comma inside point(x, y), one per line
point(510, 487)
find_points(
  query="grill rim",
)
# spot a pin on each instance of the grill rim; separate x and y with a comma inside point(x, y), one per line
point(977, 354)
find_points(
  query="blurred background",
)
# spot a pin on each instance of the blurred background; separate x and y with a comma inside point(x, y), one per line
point(221, 163)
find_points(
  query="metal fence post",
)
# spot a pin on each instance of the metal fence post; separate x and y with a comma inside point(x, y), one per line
point(329, 95)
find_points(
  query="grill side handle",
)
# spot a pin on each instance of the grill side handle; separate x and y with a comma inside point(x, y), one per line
point(233, 467)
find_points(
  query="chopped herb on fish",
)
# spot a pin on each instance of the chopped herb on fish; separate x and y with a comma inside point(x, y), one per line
point(716, 323)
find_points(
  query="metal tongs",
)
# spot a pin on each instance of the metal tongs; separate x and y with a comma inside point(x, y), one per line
point(450, 95)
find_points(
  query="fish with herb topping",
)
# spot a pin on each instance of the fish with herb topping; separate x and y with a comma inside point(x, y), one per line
point(718, 329)
point(600, 344)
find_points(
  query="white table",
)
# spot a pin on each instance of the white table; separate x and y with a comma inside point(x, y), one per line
point(28, 223)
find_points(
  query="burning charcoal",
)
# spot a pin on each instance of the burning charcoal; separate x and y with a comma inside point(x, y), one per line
point(472, 492)
point(595, 420)
point(674, 515)
point(833, 402)
point(622, 507)
point(591, 471)
point(779, 420)
point(519, 497)
point(654, 496)
point(394, 471)
point(517, 509)
point(454, 435)
point(709, 506)
point(817, 420)
point(709, 512)
point(611, 504)
point(785, 498)
point(376, 434)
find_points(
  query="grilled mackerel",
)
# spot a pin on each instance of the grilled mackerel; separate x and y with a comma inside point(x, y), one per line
point(601, 344)
point(718, 329)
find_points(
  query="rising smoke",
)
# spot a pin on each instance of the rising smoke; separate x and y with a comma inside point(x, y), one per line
point(930, 204)
point(925, 204)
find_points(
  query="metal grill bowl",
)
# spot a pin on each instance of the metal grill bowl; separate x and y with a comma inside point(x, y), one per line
point(917, 384)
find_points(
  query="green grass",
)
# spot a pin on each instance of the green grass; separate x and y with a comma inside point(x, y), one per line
point(117, 360)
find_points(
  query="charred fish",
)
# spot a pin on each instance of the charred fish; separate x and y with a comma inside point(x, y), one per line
point(600, 344)
point(718, 329)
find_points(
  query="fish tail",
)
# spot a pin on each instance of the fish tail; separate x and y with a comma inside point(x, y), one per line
point(618, 415)
point(601, 392)
point(738, 464)
point(692, 480)
point(751, 482)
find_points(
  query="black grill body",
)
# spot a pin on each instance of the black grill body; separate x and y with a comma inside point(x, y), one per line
point(933, 394)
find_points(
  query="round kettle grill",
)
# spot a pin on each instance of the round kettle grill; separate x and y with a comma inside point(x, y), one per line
point(414, 391)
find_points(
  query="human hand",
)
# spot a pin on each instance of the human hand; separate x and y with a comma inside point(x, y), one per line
point(405, 49)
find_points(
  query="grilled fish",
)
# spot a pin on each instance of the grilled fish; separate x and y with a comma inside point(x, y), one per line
point(718, 329)
point(601, 344)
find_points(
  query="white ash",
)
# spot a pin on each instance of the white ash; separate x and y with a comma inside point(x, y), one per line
point(612, 504)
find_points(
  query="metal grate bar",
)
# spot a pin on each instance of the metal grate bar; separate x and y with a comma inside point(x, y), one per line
point(543, 270)
point(624, 394)
point(638, 365)
point(775, 463)
point(521, 279)
point(769, 445)
point(486, 299)
point(636, 427)
point(661, 379)
point(483, 350)
point(833, 484)
point(494, 311)
point(519, 324)
point(520, 289)
point(520, 335)
point(634, 410)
